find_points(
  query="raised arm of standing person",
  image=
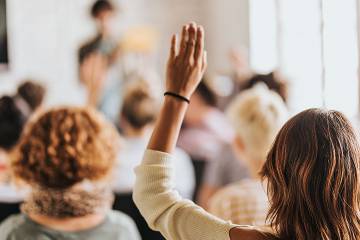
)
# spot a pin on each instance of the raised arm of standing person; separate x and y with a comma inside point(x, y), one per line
point(162, 207)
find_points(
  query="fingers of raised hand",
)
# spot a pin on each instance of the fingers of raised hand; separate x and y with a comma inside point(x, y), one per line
point(191, 52)
point(193, 46)
point(184, 38)
point(199, 47)
point(173, 50)
point(190, 45)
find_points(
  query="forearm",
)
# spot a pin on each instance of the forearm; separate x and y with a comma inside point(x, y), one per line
point(168, 125)
point(163, 208)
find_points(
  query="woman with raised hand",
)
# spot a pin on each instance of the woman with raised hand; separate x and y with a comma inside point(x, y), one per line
point(312, 171)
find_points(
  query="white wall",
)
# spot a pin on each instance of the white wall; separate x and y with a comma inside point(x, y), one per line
point(44, 36)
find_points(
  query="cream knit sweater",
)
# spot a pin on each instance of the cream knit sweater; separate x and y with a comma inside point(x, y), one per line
point(163, 208)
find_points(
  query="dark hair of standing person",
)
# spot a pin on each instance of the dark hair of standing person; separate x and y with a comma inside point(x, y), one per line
point(101, 6)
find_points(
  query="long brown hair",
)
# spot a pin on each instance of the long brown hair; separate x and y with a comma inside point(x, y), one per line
point(313, 175)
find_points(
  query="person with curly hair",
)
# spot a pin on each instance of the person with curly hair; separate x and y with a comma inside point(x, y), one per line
point(66, 156)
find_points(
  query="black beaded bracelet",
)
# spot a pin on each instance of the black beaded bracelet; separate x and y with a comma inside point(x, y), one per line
point(177, 96)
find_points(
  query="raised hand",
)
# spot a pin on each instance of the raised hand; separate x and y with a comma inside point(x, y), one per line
point(186, 66)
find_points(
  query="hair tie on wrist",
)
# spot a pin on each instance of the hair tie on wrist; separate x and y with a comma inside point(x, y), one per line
point(177, 96)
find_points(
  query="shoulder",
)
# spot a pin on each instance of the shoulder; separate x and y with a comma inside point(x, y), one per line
point(181, 154)
point(231, 190)
point(119, 218)
point(88, 47)
point(182, 165)
point(10, 225)
point(181, 158)
point(251, 233)
point(242, 193)
point(124, 224)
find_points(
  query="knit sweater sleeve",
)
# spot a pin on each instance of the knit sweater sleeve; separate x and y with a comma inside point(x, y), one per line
point(163, 208)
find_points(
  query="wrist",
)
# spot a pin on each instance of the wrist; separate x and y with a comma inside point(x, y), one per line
point(175, 103)
point(177, 96)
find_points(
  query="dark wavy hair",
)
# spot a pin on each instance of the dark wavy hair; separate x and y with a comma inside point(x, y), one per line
point(313, 176)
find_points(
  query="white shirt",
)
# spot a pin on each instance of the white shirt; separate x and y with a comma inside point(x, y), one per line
point(131, 156)
point(11, 194)
point(8, 192)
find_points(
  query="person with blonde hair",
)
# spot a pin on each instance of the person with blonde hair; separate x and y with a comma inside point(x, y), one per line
point(66, 156)
point(257, 115)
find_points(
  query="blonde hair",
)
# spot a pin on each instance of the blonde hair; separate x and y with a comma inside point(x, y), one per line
point(257, 114)
point(140, 107)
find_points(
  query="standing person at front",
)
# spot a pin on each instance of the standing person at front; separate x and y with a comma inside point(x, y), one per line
point(98, 61)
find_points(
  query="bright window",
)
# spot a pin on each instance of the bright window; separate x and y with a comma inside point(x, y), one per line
point(314, 45)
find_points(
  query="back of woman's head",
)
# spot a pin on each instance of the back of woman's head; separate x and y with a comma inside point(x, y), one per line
point(139, 108)
point(12, 120)
point(257, 115)
point(313, 178)
point(65, 146)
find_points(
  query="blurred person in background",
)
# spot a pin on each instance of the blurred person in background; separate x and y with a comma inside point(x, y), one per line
point(225, 168)
point(243, 77)
point(66, 156)
point(272, 80)
point(256, 114)
point(104, 42)
point(138, 114)
point(14, 113)
point(205, 130)
point(12, 121)
point(98, 59)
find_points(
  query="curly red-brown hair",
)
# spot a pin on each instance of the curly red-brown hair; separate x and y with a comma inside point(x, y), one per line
point(65, 146)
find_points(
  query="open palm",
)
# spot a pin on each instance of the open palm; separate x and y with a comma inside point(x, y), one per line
point(186, 66)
